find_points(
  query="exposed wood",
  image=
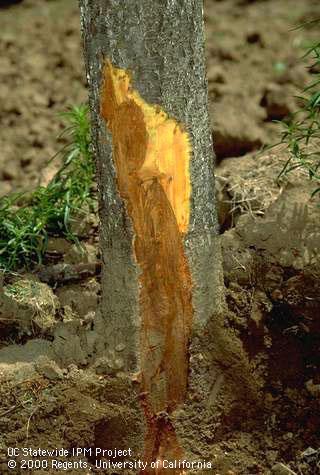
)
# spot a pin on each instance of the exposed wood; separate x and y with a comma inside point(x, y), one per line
point(151, 154)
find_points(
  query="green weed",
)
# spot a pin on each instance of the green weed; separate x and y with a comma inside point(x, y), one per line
point(301, 133)
point(27, 219)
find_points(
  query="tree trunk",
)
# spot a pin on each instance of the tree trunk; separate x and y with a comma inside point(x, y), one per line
point(161, 283)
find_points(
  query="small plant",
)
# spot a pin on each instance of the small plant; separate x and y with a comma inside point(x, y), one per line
point(302, 133)
point(27, 219)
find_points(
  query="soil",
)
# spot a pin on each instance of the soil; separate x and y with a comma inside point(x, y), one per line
point(265, 365)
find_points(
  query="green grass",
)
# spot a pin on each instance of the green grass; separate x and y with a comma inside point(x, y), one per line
point(301, 133)
point(28, 219)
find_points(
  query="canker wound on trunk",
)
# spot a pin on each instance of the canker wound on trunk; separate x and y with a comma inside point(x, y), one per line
point(151, 152)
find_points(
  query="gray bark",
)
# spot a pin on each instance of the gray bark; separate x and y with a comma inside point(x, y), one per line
point(161, 44)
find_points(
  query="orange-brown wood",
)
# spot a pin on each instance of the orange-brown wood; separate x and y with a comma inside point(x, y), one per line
point(152, 154)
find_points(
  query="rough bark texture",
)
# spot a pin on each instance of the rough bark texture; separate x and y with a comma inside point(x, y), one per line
point(162, 271)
